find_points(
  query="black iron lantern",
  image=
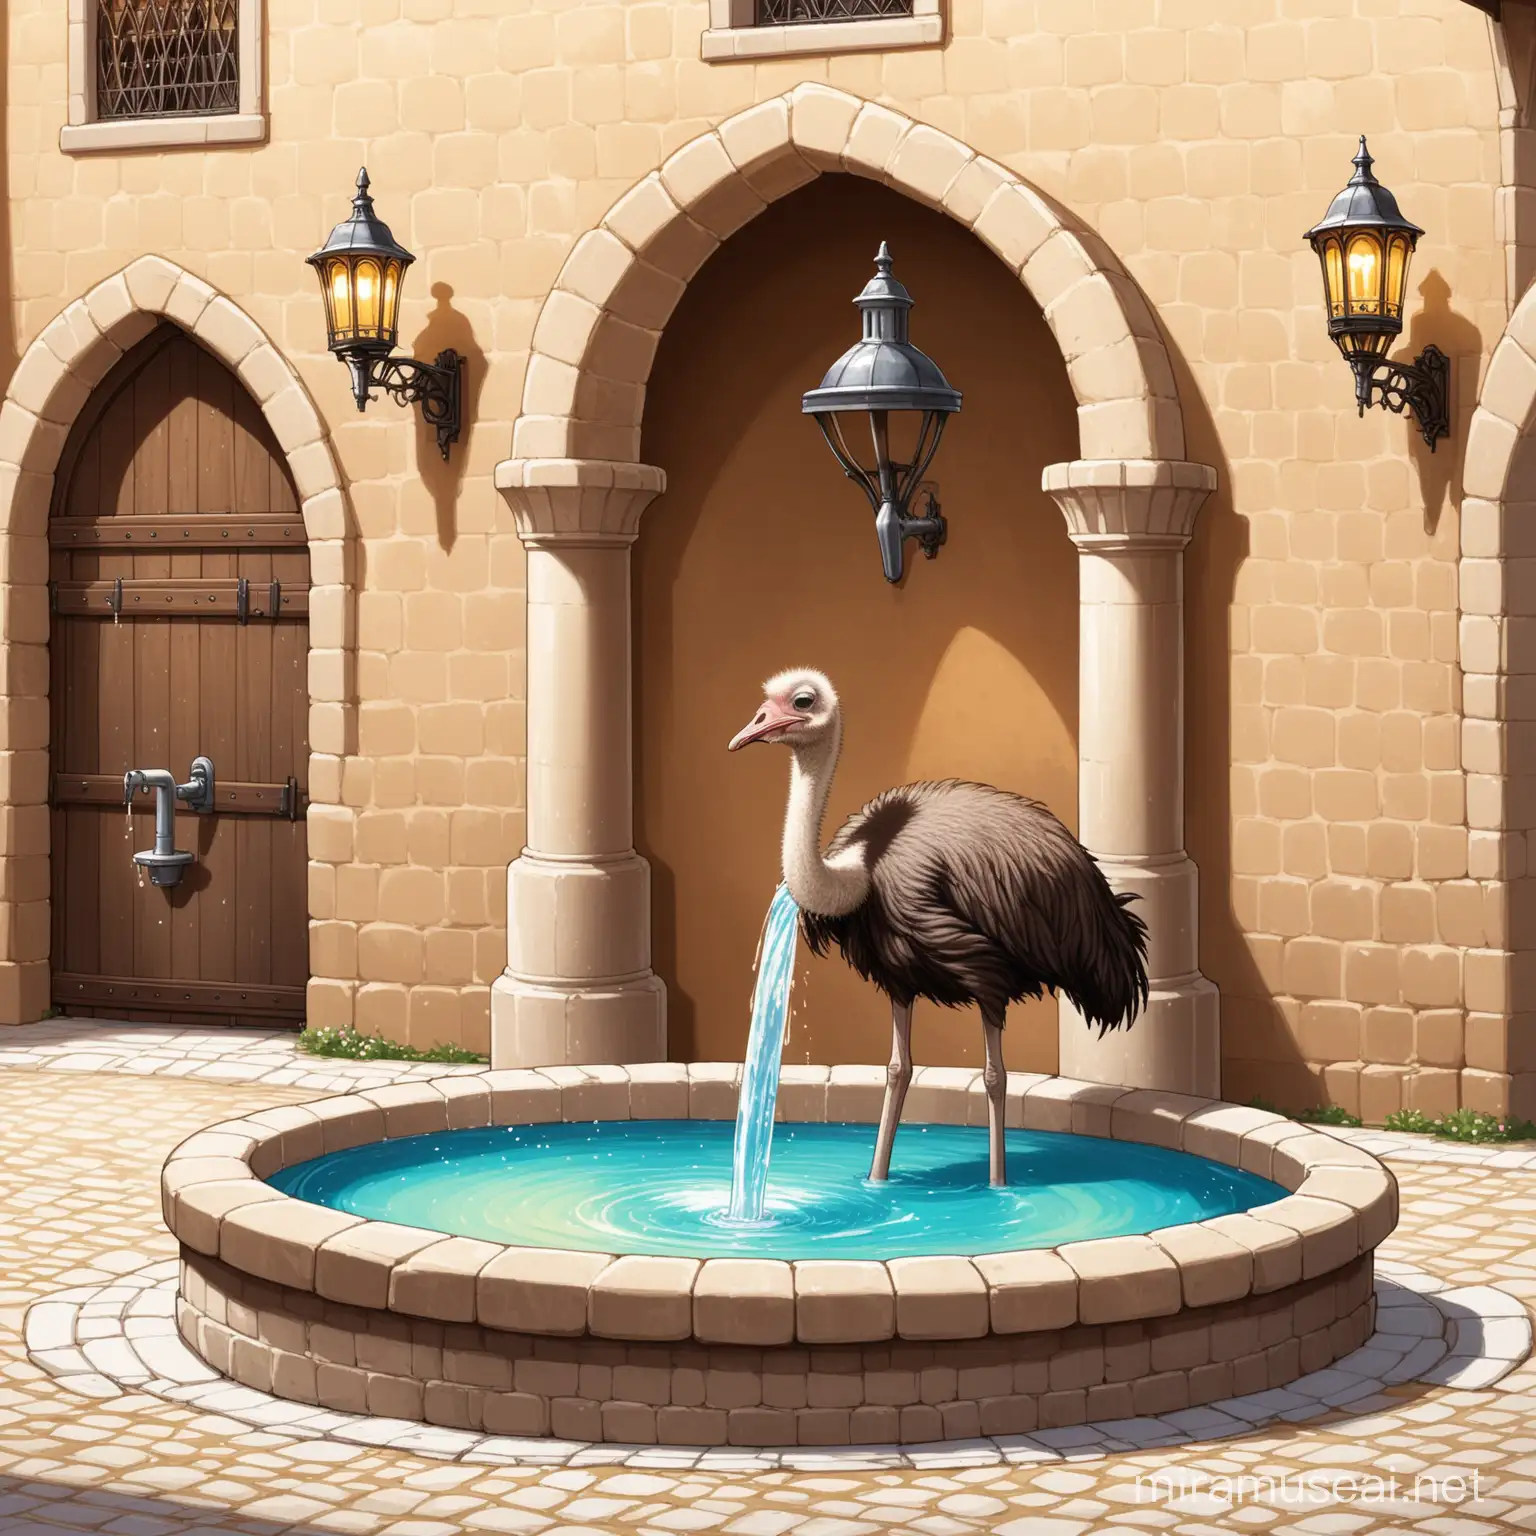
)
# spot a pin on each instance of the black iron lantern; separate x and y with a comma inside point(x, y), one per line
point(1365, 244)
point(362, 275)
point(883, 375)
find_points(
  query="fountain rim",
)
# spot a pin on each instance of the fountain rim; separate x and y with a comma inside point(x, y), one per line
point(1341, 1203)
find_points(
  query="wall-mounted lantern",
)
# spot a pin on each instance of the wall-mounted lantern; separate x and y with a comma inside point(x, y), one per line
point(362, 273)
point(883, 375)
point(1364, 244)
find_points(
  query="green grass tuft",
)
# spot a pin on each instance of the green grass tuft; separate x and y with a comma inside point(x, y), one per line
point(1328, 1114)
point(351, 1046)
point(1322, 1114)
point(1414, 1121)
point(1473, 1125)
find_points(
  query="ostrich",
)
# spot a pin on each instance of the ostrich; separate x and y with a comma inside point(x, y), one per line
point(955, 892)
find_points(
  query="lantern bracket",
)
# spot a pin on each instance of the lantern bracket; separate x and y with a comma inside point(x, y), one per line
point(1421, 388)
point(437, 387)
point(893, 528)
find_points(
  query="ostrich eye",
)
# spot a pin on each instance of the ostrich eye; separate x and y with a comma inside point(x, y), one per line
point(804, 700)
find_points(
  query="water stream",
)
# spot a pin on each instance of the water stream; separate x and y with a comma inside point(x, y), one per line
point(765, 1051)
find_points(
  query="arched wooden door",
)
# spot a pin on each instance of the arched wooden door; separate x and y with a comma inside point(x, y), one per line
point(180, 596)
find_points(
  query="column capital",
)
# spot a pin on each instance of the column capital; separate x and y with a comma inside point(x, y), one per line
point(1129, 504)
point(578, 501)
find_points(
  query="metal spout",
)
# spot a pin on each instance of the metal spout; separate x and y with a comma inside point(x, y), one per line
point(165, 861)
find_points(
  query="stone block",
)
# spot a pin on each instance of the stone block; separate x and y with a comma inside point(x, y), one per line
point(855, 1094)
point(438, 1281)
point(277, 1239)
point(1212, 1266)
point(843, 1301)
point(744, 1301)
point(939, 1298)
point(409, 1109)
point(468, 1101)
point(1330, 1232)
point(1123, 1277)
point(1154, 1117)
point(198, 1211)
point(1029, 1291)
point(642, 1297)
point(820, 120)
point(712, 1089)
point(658, 1090)
point(522, 1097)
point(537, 1290)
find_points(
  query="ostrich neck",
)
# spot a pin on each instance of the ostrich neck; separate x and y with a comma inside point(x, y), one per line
point(826, 887)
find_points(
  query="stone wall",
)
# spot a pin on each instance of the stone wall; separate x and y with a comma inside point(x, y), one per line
point(1198, 138)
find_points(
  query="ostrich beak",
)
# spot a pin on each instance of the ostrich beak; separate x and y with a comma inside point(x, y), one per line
point(770, 718)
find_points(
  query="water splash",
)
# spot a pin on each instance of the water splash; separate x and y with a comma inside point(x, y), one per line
point(765, 1051)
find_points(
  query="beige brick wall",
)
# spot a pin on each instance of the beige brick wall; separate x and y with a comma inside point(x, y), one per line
point(1199, 137)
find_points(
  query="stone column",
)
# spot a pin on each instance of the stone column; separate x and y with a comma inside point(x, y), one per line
point(1130, 520)
point(578, 987)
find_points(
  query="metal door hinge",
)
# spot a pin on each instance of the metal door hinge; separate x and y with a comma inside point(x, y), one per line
point(115, 598)
point(243, 601)
point(289, 805)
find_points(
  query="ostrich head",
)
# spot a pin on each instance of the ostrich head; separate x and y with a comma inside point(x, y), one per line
point(799, 710)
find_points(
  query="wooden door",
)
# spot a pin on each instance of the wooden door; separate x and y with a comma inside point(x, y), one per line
point(180, 596)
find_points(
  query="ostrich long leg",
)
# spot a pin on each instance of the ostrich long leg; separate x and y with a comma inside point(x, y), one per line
point(897, 1077)
point(995, 1077)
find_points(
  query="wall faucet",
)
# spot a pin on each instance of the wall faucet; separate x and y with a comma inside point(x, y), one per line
point(165, 862)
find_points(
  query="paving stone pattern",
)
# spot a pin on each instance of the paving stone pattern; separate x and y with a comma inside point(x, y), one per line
point(80, 1151)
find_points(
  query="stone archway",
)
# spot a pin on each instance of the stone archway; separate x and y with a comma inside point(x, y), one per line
point(1498, 664)
point(50, 386)
point(578, 985)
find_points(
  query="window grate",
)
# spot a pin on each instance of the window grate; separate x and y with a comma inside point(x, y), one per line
point(776, 13)
point(166, 58)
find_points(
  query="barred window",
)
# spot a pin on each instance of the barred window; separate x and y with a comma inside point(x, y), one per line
point(166, 58)
point(778, 13)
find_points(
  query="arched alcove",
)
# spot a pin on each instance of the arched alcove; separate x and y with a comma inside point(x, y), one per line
point(762, 556)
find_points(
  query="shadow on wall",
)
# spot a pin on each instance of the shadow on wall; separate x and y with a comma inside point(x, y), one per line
point(1267, 1043)
point(447, 327)
point(762, 556)
point(1259, 1051)
point(1461, 341)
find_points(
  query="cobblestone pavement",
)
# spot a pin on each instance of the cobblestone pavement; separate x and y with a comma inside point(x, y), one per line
point(80, 1150)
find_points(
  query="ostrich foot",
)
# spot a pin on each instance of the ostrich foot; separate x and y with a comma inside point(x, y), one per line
point(995, 1077)
point(898, 1076)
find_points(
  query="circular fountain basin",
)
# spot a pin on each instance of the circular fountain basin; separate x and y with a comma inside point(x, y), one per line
point(1159, 1251)
point(663, 1187)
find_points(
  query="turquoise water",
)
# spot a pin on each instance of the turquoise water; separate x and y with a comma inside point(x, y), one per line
point(664, 1187)
point(765, 1051)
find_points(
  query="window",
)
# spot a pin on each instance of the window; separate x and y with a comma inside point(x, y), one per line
point(158, 73)
point(778, 13)
point(755, 29)
point(161, 58)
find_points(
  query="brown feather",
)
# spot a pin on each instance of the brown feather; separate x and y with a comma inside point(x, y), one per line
point(981, 896)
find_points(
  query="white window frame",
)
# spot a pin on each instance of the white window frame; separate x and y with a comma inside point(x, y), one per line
point(84, 132)
point(733, 34)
